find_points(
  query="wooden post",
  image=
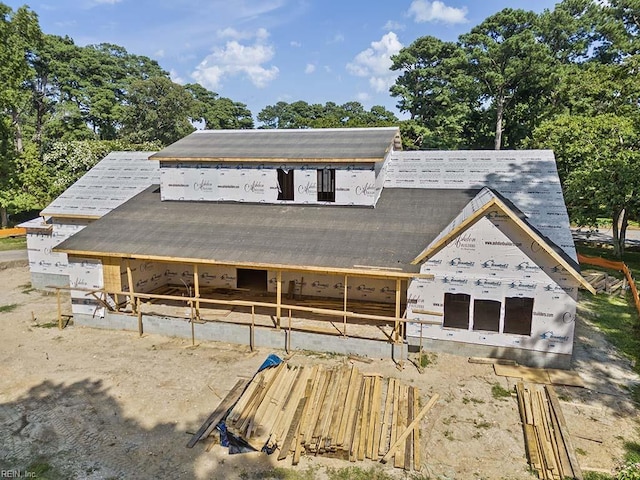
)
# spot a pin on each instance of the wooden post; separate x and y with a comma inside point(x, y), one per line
point(196, 288)
point(344, 332)
point(193, 332)
point(253, 327)
point(289, 334)
point(278, 297)
point(398, 287)
point(130, 281)
point(140, 330)
point(59, 311)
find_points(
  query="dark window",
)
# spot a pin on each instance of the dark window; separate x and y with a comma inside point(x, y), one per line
point(285, 184)
point(486, 315)
point(252, 279)
point(517, 315)
point(327, 185)
point(456, 310)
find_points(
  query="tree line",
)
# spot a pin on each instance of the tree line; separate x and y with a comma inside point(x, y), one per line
point(565, 79)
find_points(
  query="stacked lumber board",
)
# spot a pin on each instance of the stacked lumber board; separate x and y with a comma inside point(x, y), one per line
point(547, 441)
point(338, 412)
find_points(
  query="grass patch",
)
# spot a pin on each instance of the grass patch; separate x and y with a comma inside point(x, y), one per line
point(597, 476)
point(357, 473)
point(482, 424)
point(13, 243)
point(618, 320)
point(279, 474)
point(498, 391)
point(8, 308)
point(42, 470)
point(428, 359)
point(46, 325)
point(476, 401)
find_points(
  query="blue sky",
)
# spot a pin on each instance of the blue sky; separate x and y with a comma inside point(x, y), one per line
point(259, 52)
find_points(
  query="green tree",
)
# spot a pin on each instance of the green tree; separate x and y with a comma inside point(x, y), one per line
point(300, 114)
point(218, 112)
point(598, 157)
point(157, 109)
point(67, 161)
point(436, 91)
point(509, 64)
point(19, 35)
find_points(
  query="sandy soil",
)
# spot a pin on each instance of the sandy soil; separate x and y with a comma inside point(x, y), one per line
point(100, 404)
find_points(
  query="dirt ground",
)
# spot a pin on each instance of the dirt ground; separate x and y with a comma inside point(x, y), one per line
point(100, 404)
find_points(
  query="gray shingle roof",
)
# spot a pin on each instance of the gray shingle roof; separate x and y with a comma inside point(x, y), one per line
point(366, 144)
point(390, 235)
point(111, 182)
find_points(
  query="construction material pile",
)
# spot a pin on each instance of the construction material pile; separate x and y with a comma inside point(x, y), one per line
point(338, 412)
point(548, 444)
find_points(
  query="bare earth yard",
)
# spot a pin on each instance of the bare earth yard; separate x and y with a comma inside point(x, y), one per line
point(105, 404)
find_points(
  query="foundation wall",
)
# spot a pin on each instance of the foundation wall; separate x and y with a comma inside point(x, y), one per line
point(241, 334)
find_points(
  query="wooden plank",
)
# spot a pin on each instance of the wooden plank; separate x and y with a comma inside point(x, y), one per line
point(374, 407)
point(564, 431)
point(322, 409)
point(293, 428)
point(409, 440)
point(432, 401)
point(565, 377)
point(353, 412)
point(328, 410)
point(402, 424)
point(296, 392)
point(299, 437)
point(346, 413)
point(217, 415)
point(364, 423)
point(394, 415)
point(417, 456)
point(356, 425)
point(533, 375)
point(339, 407)
point(492, 361)
point(377, 419)
point(384, 431)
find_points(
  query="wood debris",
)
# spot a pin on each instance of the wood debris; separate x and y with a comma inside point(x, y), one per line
point(338, 412)
point(547, 441)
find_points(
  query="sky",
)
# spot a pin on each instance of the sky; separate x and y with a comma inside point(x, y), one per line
point(260, 52)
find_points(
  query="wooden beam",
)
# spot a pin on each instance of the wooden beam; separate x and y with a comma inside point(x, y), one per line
point(432, 401)
point(398, 288)
point(219, 413)
point(470, 220)
point(344, 331)
point(130, 281)
point(352, 272)
point(196, 288)
point(278, 297)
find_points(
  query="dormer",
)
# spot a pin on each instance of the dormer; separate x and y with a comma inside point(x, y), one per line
point(311, 166)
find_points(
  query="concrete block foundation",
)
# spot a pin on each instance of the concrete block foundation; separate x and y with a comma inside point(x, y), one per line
point(529, 358)
point(241, 334)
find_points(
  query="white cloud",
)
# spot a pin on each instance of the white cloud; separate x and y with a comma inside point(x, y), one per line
point(363, 97)
point(295, 44)
point(375, 62)
point(436, 11)
point(393, 25)
point(310, 68)
point(337, 38)
point(159, 53)
point(106, 2)
point(176, 78)
point(232, 33)
point(234, 59)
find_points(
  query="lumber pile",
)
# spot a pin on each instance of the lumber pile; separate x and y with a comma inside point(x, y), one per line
point(338, 412)
point(547, 441)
